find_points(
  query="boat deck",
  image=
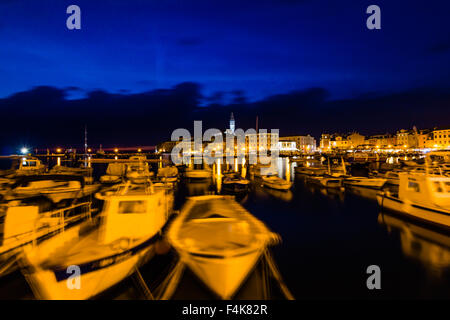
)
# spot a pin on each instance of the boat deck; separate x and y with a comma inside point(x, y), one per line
point(80, 250)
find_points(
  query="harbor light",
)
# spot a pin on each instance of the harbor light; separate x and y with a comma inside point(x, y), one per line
point(24, 150)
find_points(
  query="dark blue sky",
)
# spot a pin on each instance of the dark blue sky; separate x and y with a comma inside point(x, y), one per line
point(260, 47)
point(139, 69)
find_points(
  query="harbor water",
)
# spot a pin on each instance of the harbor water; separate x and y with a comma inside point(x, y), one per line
point(328, 240)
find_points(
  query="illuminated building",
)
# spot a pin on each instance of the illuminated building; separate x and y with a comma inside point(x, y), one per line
point(303, 144)
point(441, 137)
point(407, 138)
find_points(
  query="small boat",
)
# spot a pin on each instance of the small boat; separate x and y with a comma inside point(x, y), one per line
point(26, 224)
point(365, 182)
point(168, 174)
point(219, 241)
point(333, 178)
point(114, 173)
point(55, 187)
point(275, 182)
point(30, 166)
point(234, 182)
point(200, 173)
point(128, 227)
point(311, 171)
point(422, 196)
point(328, 181)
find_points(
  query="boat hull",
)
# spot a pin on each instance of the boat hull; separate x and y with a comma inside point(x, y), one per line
point(437, 216)
point(223, 275)
point(48, 284)
point(365, 183)
point(277, 186)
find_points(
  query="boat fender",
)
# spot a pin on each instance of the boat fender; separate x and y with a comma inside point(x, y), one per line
point(121, 244)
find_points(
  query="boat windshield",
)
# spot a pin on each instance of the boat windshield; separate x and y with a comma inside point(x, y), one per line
point(29, 164)
point(130, 207)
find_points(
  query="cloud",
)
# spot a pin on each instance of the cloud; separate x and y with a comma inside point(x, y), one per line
point(44, 117)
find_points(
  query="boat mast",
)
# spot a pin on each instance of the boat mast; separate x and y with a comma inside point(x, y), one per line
point(85, 146)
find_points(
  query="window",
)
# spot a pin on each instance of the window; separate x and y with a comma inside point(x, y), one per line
point(437, 186)
point(447, 186)
point(413, 186)
point(126, 207)
point(29, 164)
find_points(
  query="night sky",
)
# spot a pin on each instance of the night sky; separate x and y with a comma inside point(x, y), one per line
point(139, 69)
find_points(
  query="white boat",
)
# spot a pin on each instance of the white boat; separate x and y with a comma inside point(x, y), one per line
point(364, 182)
point(275, 182)
point(219, 241)
point(130, 223)
point(311, 171)
point(24, 225)
point(55, 187)
point(420, 195)
point(234, 182)
point(328, 181)
point(30, 166)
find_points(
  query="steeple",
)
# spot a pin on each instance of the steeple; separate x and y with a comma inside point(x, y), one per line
point(232, 126)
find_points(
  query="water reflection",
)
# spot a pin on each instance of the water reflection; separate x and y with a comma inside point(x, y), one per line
point(430, 247)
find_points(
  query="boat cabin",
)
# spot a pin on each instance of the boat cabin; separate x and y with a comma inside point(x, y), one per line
point(425, 189)
point(134, 214)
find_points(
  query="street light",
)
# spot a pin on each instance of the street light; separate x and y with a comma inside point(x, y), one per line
point(24, 150)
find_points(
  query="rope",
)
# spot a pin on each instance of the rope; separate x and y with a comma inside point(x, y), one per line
point(276, 274)
point(140, 282)
point(171, 282)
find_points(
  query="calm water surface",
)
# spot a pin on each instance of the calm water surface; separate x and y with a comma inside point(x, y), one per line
point(329, 238)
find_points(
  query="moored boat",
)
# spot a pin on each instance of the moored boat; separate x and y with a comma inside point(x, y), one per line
point(30, 166)
point(420, 195)
point(364, 182)
point(275, 182)
point(129, 225)
point(219, 241)
point(25, 224)
point(234, 182)
point(55, 187)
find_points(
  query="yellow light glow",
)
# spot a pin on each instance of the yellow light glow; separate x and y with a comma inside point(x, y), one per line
point(58, 150)
point(116, 150)
point(139, 150)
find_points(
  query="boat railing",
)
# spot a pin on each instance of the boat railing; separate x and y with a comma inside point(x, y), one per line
point(47, 223)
